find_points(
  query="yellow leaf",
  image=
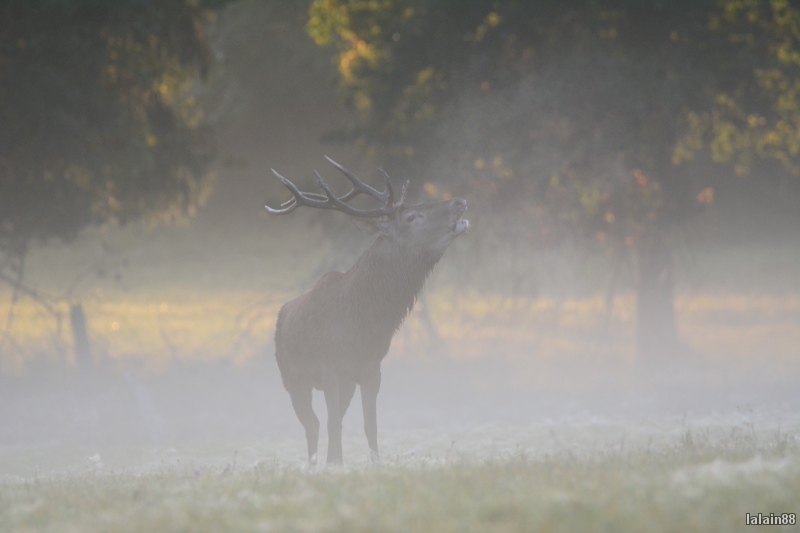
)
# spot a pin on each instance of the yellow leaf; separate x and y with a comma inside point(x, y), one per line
point(706, 196)
point(431, 189)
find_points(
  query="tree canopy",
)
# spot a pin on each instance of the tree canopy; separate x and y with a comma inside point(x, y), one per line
point(98, 115)
point(597, 88)
point(757, 116)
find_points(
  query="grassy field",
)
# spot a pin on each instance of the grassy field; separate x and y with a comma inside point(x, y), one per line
point(698, 480)
point(559, 476)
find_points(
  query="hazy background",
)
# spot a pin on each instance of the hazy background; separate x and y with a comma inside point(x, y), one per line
point(508, 333)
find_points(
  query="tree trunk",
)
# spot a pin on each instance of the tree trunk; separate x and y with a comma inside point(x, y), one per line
point(656, 336)
point(83, 350)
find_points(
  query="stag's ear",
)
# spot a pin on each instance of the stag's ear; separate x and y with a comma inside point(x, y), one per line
point(373, 226)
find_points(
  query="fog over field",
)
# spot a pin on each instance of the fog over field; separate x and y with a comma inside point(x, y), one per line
point(521, 354)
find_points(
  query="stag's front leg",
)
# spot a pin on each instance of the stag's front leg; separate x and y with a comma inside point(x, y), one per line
point(334, 420)
point(369, 402)
point(301, 401)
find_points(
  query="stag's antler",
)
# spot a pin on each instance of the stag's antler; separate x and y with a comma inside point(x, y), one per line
point(331, 201)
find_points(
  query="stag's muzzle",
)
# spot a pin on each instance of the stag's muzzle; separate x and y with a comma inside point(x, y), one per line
point(460, 225)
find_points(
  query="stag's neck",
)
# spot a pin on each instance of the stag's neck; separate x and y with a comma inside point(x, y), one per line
point(386, 281)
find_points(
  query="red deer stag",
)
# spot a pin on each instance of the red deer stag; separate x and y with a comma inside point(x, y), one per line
point(335, 335)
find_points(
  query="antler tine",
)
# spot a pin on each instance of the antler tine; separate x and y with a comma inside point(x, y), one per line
point(338, 203)
point(403, 192)
point(289, 209)
point(292, 202)
point(389, 189)
point(358, 185)
point(311, 195)
point(310, 200)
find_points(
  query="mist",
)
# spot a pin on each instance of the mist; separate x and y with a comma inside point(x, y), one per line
point(524, 339)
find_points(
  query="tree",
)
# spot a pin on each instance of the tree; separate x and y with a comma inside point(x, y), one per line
point(759, 117)
point(99, 121)
point(591, 109)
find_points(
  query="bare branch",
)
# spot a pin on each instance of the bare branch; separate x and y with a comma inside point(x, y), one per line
point(31, 293)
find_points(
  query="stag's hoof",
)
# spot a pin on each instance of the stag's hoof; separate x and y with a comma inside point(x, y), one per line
point(373, 455)
point(334, 459)
point(312, 461)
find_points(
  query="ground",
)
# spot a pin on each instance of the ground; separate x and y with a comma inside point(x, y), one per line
point(588, 475)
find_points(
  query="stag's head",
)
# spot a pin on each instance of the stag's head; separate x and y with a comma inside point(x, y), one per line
point(426, 227)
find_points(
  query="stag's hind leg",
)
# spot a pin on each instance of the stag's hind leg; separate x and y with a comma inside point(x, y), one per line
point(369, 402)
point(301, 401)
point(346, 391)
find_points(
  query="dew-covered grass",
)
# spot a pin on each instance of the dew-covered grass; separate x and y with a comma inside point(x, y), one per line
point(684, 479)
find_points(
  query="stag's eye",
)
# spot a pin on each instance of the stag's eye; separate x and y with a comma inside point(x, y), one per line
point(410, 217)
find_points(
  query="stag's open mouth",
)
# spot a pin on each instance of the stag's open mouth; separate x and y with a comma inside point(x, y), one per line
point(460, 226)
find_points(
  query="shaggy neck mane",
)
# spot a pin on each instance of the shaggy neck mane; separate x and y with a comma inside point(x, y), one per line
point(385, 282)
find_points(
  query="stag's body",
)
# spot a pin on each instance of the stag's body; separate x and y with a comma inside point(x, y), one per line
point(335, 336)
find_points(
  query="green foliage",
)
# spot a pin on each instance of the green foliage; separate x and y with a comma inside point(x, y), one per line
point(396, 58)
point(758, 116)
point(98, 121)
point(587, 110)
point(575, 104)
